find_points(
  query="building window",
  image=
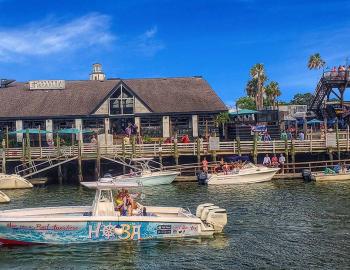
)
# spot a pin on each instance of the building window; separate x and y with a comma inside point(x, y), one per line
point(94, 124)
point(207, 125)
point(152, 127)
point(4, 126)
point(63, 124)
point(121, 102)
point(181, 125)
point(35, 124)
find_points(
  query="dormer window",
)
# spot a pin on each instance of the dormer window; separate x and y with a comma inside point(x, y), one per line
point(121, 102)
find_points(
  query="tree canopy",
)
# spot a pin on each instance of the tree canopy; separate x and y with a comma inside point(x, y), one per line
point(246, 103)
point(316, 62)
point(302, 99)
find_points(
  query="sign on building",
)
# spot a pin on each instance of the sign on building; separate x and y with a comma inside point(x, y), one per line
point(214, 143)
point(331, 140)
point(47, 85)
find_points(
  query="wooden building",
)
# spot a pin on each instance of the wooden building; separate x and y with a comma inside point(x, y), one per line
point(159, 107)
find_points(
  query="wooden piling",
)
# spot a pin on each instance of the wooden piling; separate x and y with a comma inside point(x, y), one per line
point(133, 145)
point(160, 149)
point(293, 154)
point(98, 160)
point(255, 149)
point(60, 174)
point(80, 169)
point(337, 138)
point(123, 155)
point(198, 150)
point(176, 152)
point(239, 146)
point(3, 165)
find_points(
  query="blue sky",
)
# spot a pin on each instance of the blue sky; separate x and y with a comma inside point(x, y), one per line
point(219, 40)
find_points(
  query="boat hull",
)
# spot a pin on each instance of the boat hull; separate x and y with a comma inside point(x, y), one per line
point(13, 182)
point(248, 177)
point(154, 179)
point(4, 198)
point(56, 232)
point(330, 177)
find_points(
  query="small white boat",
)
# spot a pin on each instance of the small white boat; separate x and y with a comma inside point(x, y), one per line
point(4, 198)
point(13, 181)
point(248, 174)
point(321, 176)
point(101, 222)
point(143, 175)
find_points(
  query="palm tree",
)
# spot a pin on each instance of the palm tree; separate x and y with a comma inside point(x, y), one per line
point(316, 62)
point(222, 119)
point(258, 72)
point(252, 88)
point(272, 91)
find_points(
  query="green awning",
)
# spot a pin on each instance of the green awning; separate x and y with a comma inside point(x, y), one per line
point(30, 131)
point(73, 131)
point(243, 112)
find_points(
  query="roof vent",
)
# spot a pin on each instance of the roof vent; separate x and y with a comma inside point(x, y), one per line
point(5, 82)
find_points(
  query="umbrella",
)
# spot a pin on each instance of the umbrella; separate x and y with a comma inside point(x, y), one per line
point(73, 131)
point(30, 131)
point(314, 121)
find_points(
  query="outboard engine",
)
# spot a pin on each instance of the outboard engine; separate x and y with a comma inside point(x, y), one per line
point(202, 178)
point(307, 176)
point(217, 218)
point(206, 210)
point(201, 207)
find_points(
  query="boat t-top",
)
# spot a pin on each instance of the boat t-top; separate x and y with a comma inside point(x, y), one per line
point(141, 173)
point(104, 222)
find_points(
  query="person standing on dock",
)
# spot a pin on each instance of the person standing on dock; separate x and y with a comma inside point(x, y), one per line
point(282, 160)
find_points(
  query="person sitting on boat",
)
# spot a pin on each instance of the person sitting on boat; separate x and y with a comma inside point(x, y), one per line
point(205, 165)
point(132, 173)
point(226, 168)
point(274, 161)
point(267, 160)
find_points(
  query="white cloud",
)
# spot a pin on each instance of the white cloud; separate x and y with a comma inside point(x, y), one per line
point(49, 37)
point(147, 43)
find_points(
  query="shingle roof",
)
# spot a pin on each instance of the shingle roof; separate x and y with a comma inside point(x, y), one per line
point(78, 98)
point(190, 94)
point(83, 97)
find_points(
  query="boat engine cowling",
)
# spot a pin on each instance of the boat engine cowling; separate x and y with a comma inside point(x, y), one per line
point(201, 207)
point(217, 218)
point(206, 210)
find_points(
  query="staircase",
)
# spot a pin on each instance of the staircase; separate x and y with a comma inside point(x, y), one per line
point(33, 167)
point(320, 94)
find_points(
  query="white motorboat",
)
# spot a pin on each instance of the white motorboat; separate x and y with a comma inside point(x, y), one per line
point(141, 174)
point(246, 175)
point(13, 181)
point(4, 198)
point(101, 222)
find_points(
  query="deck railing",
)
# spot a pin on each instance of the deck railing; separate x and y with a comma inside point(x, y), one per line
point(183, 149)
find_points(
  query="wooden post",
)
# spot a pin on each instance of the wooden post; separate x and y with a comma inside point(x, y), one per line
point(330, 154)
point(337, 138)
point(176, 152)
point(239, 145)
point(29, 156)
point(80, 169)
point(347, 138)
point(41, 151)
point(293, 155)
point(3, 166)
point(123, 154)
point(286, 149)
point(255, 148)
point(7, 137)
point(98, 160)
point(160, 149)
point(60, 174)
point(198, 150)
point(133, 145)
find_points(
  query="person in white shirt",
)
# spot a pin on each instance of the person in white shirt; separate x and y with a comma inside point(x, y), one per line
point(267, 160)
point(282, 160)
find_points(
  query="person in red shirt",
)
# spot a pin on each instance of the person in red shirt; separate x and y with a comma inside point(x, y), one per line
point(274, 161)
point(185, 139)
point(205, 165)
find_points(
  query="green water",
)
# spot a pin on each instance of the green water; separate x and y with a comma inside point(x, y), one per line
point(291, 225)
